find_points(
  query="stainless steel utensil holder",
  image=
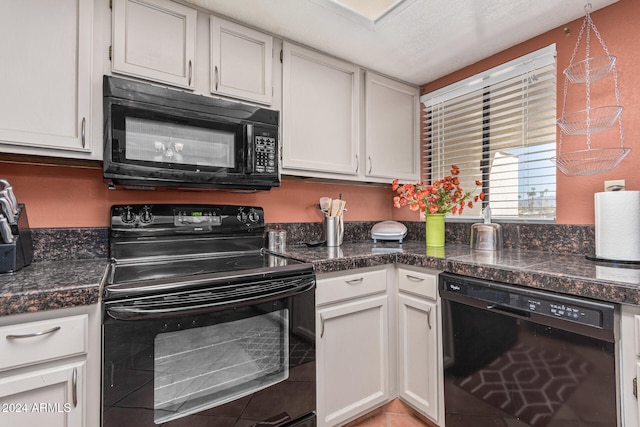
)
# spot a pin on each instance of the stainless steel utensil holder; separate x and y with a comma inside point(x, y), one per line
point(18, 253)
point(333, 230)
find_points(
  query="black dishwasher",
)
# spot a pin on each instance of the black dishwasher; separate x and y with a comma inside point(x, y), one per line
point(515, 356)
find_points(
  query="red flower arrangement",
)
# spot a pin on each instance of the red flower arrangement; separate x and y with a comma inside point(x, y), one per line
point(441, 197)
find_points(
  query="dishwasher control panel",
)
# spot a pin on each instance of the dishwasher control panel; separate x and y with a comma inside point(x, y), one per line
point(562, 310)
point(525, 302)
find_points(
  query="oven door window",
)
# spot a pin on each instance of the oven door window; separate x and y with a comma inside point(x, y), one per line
point(160, 142)
point(201, 368)
point(176, 141)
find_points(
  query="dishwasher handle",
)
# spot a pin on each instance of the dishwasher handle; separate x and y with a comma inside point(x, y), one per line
point(510, 311)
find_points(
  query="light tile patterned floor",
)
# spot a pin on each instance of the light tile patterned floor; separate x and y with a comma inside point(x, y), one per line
point(393, 414)
point(392, 420)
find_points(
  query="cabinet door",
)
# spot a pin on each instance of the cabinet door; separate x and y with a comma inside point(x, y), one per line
point(241, 63)
point(418, 354)
point(49, 397)
point(155, 40)
point(352, 358)
point(392, 129)
point(45, 79)
point(320, 113)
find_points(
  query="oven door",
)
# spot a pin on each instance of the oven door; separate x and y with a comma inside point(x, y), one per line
point(240, 364)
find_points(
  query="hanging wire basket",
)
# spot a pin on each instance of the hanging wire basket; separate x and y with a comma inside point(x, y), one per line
point(590, 162)
point(591, 69)
point(590, 120)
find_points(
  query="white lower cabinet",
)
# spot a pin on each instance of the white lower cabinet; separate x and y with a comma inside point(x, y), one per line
point(378, 338)
point(352, 345)
point(52, 396)
point(629, 346)
point(48, 375)
point(419, 336)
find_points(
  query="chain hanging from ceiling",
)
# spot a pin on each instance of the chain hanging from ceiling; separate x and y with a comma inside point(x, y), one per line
point(591, 120)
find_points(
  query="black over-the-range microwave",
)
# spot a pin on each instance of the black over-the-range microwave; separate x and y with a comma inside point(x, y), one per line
point(157, 137)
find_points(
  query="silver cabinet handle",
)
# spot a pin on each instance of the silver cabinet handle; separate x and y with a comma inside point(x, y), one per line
point(83, 132)
point(35, 334)
point(370, 164)
point(357, 164)
point(190, 71)
point(414, 278)
point(429, 318)
point(321, 325)
point(74, 387)
point(216, 77)
point(355, 281)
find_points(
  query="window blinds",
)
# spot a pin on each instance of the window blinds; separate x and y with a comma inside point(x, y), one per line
point(498, 127)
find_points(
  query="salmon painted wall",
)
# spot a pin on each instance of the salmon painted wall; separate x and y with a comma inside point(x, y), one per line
point(59, 197)
point(617, 25)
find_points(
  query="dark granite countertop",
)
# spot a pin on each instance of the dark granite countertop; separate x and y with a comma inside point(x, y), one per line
point(50, 285)
point(568, 274)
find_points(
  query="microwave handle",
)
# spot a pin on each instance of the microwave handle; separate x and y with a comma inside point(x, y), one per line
point(250, 148)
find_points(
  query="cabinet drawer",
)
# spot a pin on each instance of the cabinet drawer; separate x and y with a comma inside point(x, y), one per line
point(418, 283)
point(351, 286)
point(34, 342)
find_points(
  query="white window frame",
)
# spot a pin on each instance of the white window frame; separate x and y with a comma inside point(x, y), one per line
point(524, 67)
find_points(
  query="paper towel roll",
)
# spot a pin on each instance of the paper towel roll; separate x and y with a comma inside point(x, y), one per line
point(617, 224)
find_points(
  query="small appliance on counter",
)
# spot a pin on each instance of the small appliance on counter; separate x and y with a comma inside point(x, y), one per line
point(388, 230)
point(486, 236)
point(16, 248)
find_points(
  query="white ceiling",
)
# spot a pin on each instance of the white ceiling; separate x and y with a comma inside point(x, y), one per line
point(418, 41)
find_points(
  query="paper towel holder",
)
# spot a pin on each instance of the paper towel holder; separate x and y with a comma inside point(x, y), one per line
point(617, 227)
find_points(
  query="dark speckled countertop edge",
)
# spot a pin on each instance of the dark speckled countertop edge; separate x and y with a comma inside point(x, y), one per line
point(567, 274)
point(49, 285)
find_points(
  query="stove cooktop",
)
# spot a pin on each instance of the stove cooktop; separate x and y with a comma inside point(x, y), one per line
point(165, 248)
point(176, 269)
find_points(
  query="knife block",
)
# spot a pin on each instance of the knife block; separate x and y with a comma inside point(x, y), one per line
point(18, 253)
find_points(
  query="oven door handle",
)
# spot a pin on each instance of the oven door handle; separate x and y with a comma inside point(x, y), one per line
point(128, 312)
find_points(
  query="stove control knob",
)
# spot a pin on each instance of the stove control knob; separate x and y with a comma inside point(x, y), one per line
point(146, 216)
point(254, 216)
point(242, 216)
point(127, 216)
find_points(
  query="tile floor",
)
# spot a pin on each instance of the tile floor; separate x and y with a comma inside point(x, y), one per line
point(393, 414)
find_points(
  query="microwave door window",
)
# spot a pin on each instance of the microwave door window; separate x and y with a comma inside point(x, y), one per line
point(172, 143)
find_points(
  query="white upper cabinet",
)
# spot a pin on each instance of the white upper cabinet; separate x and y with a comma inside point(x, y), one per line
point(45, 78)
point(320, 114)
point(325, 108)
point(392, 129)
point(155, 40)
point(241, 62)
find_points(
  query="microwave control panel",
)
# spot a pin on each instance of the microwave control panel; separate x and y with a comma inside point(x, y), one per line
point(265, 154)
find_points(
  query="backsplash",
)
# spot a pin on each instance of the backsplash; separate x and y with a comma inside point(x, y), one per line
point(555, 238)
point(57, 244)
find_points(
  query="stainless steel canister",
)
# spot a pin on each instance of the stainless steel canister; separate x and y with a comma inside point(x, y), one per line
point(277, 240)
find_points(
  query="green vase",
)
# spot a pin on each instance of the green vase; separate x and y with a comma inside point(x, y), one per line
point(435, 230)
